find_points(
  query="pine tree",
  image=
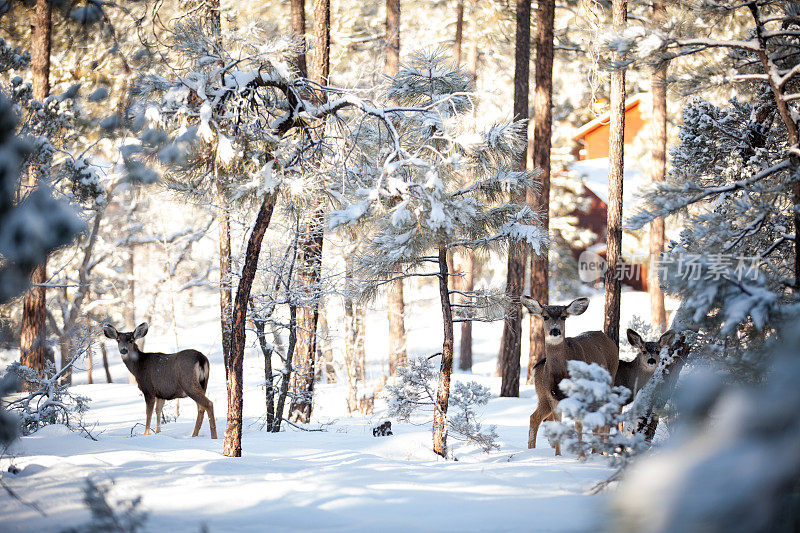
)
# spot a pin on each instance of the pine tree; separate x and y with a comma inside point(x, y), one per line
point(542, 126)
point(417, 213)
point(616, 144)
point(33, 336)
point(510, 347)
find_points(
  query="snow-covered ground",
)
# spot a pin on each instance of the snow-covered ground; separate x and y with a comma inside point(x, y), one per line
point(338, 479)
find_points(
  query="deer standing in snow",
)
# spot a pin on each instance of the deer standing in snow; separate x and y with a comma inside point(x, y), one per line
point(634, 374)
point(163, 376)
point(590, 347)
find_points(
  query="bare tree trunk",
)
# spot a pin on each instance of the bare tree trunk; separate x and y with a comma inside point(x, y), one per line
point(472, 53)
point(298, 11)
point(467, 285)
point(89, 365)
point(615, 166)
point(235, 364)
point(309, 278)
point(269, 385)
point(392, 37)
point(310, 250)
point(225, 278)
point(287, 369)
point(33, 336)
point(459, 33)
point(105, 362)
point(395, 301)
point(517, 253)
point(326, 348)
point(658, 315)
point(446, 368)
point(467, 256)
point(542, 126)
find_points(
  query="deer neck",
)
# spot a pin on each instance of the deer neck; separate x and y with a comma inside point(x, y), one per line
point(556, 355)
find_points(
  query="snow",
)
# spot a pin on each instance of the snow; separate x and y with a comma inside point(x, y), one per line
point(338, 479)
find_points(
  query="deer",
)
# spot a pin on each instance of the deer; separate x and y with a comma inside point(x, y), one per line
point(590, 347)
point(162, 376)
point(634, 374)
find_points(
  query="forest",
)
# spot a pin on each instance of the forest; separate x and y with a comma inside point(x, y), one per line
point(420, 265)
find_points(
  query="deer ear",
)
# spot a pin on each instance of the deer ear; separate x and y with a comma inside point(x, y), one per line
point(667, 338)
point(635, 339)
point(578, 306)
point(531, 304)
point(140, 331)
point(110, 332)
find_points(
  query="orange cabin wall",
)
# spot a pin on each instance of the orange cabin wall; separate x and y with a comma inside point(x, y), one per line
point(595, 143)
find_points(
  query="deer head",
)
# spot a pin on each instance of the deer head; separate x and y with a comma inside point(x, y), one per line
point(126, 342)
point(648, 353)
point(554, 316)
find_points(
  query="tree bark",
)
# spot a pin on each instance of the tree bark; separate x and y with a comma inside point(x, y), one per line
point(613, 282)
point(517, 253)
point(33, 336)
point(310, 249)
point(225, 277)
point(105, 361)
point(459, 33)
point(309, 277)
point(298, 12)
point(232, 446)
point(392, 37)
point(467, 284)
point(395, 301)
point(542, 126)
point(658, 315)
point(446, 367)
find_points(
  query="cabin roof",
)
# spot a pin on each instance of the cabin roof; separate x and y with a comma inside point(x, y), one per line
point(603, 120)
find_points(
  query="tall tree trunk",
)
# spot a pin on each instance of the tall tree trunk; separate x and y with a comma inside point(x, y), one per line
point(298, 11)
point(517, 253)
point(459, 33)
point(658, 315)
point(467, 285)
point(89, 365)
point(392, 37)
point(542, 125)
point(33, 336)
point(446, 368)
point(232, 446)
point(473, 53)
point(212, 19)
point(616, 142)
point(310, 248)
point(105, 361)
point(225, 277)
point(467, 256)
point(395, 301)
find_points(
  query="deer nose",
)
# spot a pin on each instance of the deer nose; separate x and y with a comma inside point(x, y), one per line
point(651, 361)
point(555, 332)
point(123, 351)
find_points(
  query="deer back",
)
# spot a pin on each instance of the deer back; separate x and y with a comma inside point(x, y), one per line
point(171, 376)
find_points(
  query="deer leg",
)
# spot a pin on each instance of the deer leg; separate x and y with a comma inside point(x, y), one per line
point(205, 404)
point(542, 411)
point(556, 418)
point(149, 402)
point(159, 409)
point(199, 422)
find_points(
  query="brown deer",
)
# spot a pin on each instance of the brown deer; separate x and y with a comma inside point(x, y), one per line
point(162, 376)
point(590, 347)
point(634, 374)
